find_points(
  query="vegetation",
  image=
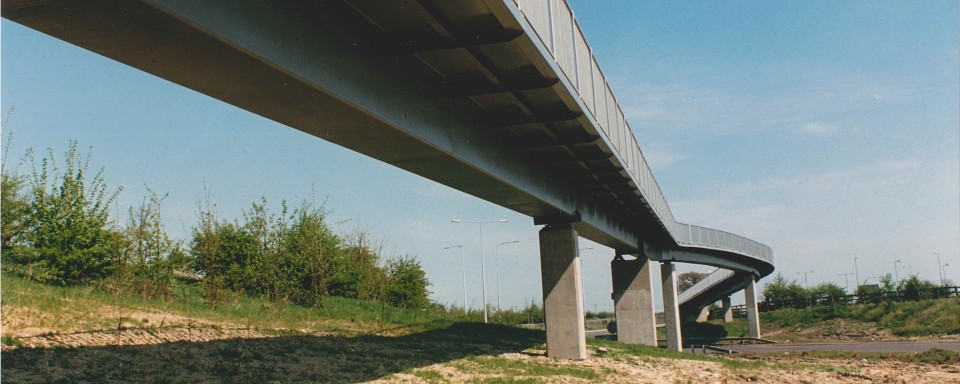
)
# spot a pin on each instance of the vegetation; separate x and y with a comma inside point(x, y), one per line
point(57, 230)
point(65, 234)
point(780, 292)
point(908, 318)
point(688, 279)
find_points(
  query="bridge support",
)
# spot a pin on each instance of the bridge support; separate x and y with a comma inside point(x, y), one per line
point(727, 309)
point(671, 306)
point(753, 316)
point(562, 292)
point(633, 300)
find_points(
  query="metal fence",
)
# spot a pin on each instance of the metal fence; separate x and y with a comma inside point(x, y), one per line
point(740, 311)
point(558, 30)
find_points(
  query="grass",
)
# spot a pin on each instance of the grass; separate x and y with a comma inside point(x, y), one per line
point(348, 347)
point(507, 368)
point(84, 308)
point(913, 318)
point(904, 319)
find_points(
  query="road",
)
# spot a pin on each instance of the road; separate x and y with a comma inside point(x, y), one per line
point(899, 346)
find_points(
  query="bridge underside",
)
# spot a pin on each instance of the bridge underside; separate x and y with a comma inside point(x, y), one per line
point(462, 93)
point(454, 92)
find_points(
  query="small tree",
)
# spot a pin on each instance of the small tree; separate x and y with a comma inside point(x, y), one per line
point(15, 208)
point(689, 279)
point(887, 284)
point(68, 226)
point(147, 264)
point(13, 203)
point(912, 288)
point(829, 292)
point(406, 283)
point(309, 252)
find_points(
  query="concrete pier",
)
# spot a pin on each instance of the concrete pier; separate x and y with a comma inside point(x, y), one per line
point(727, 309)
point(671, 308)
point(753, 316)
point(562, 292)
point(633, 300)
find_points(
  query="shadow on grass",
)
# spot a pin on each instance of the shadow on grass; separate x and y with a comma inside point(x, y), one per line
point(702, 333)
point(328, 359)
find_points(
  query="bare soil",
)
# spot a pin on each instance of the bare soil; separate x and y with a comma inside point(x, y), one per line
point(158, 347)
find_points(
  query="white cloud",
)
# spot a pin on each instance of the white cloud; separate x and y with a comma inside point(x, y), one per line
point(879, 211)
point(808, 97)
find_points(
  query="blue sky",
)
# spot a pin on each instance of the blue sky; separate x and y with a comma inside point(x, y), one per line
point(825, 129)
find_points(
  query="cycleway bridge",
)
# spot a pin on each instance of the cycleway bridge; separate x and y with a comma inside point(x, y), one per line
point(500, 99)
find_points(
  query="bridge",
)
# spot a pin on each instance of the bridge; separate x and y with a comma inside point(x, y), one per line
point(500, 99)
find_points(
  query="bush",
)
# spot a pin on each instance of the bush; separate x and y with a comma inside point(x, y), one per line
point(15, 207)
point(406, 285)
point(148, 259)
point(67, 231)
point(296, 257)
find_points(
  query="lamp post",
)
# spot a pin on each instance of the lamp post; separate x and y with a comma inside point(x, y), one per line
point(463, 265)
point(856, 270)
point(805, 286)
point(896, 274)
point(483, 277)
point(498, 270)
point(845, 280)
point(938, 267)
point(944, 269)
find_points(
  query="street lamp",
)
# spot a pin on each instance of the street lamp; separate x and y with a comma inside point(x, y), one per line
point(498, 270)
point(896, 274)
point(938, 267)
point(944, 269)
point(483, 277)
point(805, 286)
point(845, 280)
point(463, 264)
point(856, 270)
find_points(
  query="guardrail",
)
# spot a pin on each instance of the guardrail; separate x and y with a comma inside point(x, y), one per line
point(558, 30)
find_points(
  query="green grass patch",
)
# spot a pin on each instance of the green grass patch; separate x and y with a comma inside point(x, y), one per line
point(619, 351)
point(911, 318)
point(70, 308)
point(10, 340)
point(524, 369)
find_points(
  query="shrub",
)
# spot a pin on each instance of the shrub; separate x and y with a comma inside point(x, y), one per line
point(15, 207)
point(147, 262)
point(406, 285)
point(68, 237)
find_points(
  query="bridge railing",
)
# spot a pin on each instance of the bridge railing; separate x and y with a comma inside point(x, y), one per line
point(714, 278)
point(558, 30)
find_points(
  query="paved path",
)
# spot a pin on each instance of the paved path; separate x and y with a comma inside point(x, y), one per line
point(597, 332)
point(905, 346)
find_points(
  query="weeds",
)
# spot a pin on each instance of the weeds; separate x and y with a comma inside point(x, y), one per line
point(10, 340)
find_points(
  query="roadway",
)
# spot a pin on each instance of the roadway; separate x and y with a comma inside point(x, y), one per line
point(885, 346)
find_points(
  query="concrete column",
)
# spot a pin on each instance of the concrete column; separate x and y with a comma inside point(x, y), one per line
point(562, 293)
point(633, 301)
point(753, 316)
point(704, 315)
point(727, 309)
point(671, 307)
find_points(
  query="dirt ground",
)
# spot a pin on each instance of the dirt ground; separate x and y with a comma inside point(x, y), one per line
point(154, 347)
